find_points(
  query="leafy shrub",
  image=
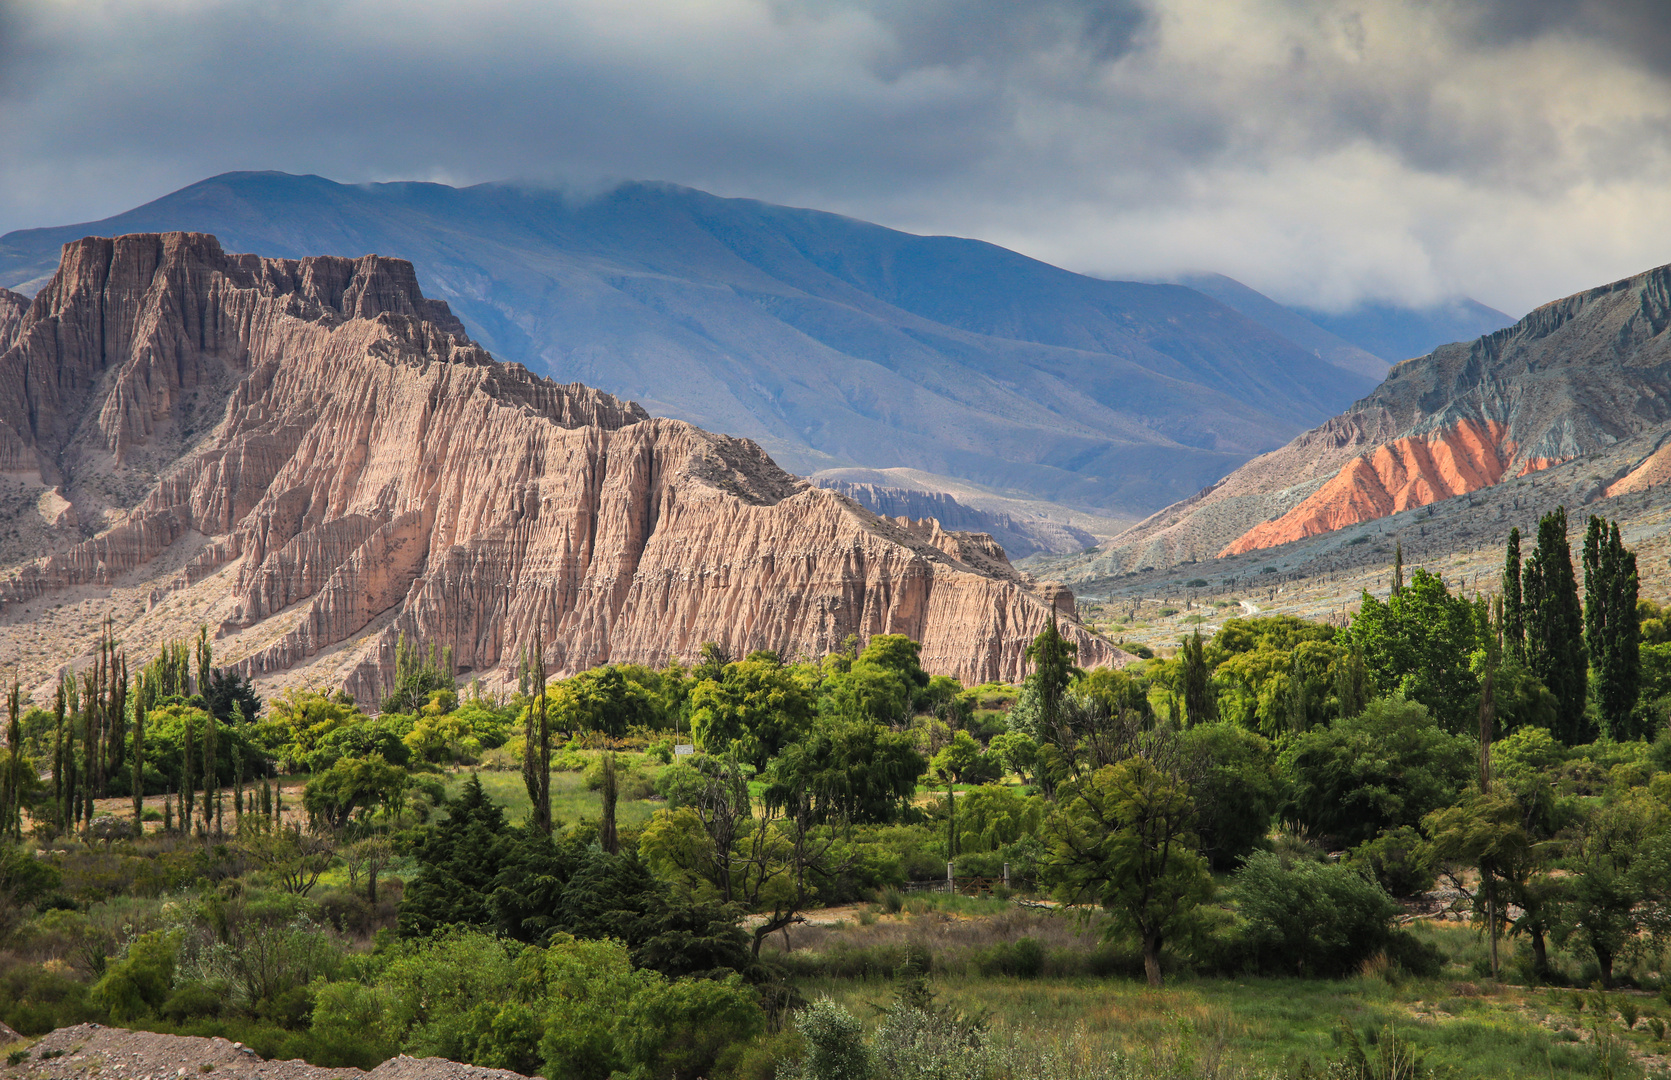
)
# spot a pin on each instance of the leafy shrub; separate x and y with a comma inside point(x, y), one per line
point(1023, 958)
point(194, 1001)
point(139, 982)
point(1398, 859)
point(835, 1045)
point(1313, 919)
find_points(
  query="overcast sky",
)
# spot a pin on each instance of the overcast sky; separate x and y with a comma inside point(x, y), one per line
point(1511, 150)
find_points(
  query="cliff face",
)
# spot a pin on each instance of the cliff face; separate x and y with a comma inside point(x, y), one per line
point(313, 459)
point(1572, 378)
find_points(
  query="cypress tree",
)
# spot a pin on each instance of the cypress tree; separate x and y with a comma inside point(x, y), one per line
point(211, 776)
point(1052, 656)
point(536, 750)
point(1514, 618)
point(1398, 567)
point(1612, 635)
point(1555, 627)
point(11, 804)
point(607, 838)
point(188, 787)
point(1200, 704)
point(58, 755)
point(139, 760)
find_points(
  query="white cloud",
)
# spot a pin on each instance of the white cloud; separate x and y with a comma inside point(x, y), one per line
point(1321, 151)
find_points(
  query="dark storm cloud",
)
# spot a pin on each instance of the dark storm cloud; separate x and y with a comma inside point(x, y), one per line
point(1323, 151)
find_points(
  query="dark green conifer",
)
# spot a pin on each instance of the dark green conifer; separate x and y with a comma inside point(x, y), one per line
point(1555, 627)
point(1612, 634)
point(1514, 618)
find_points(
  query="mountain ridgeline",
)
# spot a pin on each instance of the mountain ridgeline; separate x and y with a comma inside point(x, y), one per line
point(830, 341)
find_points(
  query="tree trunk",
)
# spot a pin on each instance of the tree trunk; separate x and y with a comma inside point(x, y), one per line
point(1604, 960)
point(1151, 960)
point(371, 884)
point(1540, 954)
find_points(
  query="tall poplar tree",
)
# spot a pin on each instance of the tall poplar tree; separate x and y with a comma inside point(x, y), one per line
point(1555, 627)
point(1612, 634)
point(1514, 617)
point(1200, 703)
point(536, 750)
point(139, 756)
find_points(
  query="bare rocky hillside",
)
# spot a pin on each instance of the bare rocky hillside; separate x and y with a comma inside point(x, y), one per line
point(1583, 376)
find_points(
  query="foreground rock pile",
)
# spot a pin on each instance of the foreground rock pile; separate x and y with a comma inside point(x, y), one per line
point(92, 1050)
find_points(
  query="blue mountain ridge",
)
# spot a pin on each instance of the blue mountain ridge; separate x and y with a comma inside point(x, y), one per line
point(831, 341)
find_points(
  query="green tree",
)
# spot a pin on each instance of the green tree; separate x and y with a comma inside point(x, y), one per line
point(458, 859)
point(1614, 863)
point(332, 797)
point(1196, 679)
point(1514, 614)
point(1124, 838)
point(1420, 642)
point(1052, 658)
point(1374, 772)
point(1555, 627)
point(849, 770)
point(1612, 630)
point(1310, 918)
point(756, 706)
point(417, 676)
point(1236, 790)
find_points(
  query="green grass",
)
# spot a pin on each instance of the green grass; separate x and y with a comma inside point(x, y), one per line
point(570, 801)
point(1258, 1023)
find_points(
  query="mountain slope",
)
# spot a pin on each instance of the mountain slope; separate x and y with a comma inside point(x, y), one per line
point(1290, 324)
point(311, 458)
point(1398, 333)
point(1573, 378)
point(831, 341)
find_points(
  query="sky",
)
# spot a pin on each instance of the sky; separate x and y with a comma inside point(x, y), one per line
point(1324, 153)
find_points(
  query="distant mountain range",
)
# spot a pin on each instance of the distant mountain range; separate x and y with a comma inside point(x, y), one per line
point(832, 342)
point(1581, 387)
point(1367, 338)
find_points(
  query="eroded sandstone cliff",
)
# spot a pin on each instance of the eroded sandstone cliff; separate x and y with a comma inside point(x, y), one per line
point(314, 459)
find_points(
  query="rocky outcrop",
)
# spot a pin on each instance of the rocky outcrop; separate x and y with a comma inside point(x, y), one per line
point(370, 472)
point(1571, 379)
point(1020, 536)
point(1397, 475)
point(12, 307)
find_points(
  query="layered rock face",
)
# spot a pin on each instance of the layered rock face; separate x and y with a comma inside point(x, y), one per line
point(319, 460)
point(1572, 378)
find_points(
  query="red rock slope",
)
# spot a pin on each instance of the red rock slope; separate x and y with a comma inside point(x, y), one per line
point(314, 459)
point(1574, 377)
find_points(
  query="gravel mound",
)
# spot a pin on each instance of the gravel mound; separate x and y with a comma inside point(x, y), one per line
point(92, 1050)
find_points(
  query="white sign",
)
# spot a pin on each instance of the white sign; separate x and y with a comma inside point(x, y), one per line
point(684, 748)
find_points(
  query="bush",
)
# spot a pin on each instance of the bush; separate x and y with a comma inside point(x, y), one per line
point(139, 982)
point(194, 1001)
point(1398, 859)
point(1023, 958)
point(1313, 919)
point(835, 1045)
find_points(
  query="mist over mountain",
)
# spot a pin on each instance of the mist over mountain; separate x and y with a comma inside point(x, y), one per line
point(830, 341)
point(1398, 333)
